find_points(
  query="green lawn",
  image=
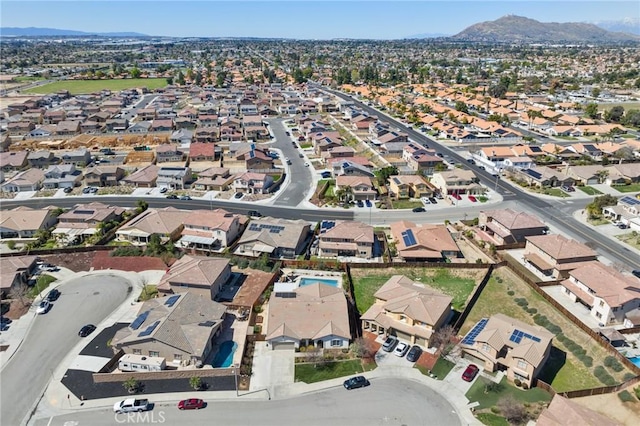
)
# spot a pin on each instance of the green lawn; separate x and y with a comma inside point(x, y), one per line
point(482, 198)
point(41, 284)
point(555, 192)
point(442, 368)
point(148, 292)
point(589, 190)
point(406, 204)
point(367, 283)
point(310, 373)
point(634, 187)
point(490, 399)
point(491, 419)
point(76, 87)
point(26, 79)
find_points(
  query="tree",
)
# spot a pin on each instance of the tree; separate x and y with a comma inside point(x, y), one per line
point(135, 72)
point(384, 173)
point(20, 292)
point(362, 348)
point(591, 110)
point(315, 356)
point(195, 382)
point(443, 336)
point(461, 106)
point(131, 385)
point(141, 206)
point(602, 175)
point(180, 78)
point(512, 410)
point(615, 114)
point(595, 92)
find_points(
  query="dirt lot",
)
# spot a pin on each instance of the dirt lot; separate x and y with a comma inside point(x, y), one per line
point(75, 261)
point(611, 406)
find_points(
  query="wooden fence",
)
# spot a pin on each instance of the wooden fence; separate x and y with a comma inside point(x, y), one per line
point(588, 392)
point(473, 299)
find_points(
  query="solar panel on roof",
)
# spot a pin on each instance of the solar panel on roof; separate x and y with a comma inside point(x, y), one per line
point(138, 321)
point(408, 238)
point(630, 200)
point(518, 335)
point(535, 148)
point(172, 300)
point(471, 335)
point(149, 329)
point(534, 174)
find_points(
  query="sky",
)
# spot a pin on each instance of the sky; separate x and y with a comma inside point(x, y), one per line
point(299, 19)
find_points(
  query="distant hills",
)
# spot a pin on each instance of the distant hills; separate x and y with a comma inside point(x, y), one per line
point(518, 29)
point(627, 25)
point(44, 32)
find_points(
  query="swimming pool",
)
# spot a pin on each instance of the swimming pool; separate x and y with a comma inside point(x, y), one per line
point(328, 281)
point(224, 357)
point(635, 360)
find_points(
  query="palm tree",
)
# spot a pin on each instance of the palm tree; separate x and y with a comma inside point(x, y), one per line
point(602, 175)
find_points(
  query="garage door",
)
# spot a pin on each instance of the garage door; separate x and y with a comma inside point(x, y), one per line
point(284, 346)
point(421, 342)
point(403, 336)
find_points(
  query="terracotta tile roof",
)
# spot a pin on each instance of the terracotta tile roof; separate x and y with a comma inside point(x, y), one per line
point(561, 248)
point(606, 283)
point(196, 270)
point(513, 220)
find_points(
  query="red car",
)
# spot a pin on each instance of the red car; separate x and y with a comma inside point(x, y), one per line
point(190, 404)
point(470, 373)
point(472, 198)
point(457, 196)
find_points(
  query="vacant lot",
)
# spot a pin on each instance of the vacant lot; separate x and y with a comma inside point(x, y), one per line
point(76, 87)
point(457, 283)
point(563, 370)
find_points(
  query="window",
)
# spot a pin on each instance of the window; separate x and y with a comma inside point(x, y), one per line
point(154, 353)
point(602, 303)
point(614, 309)
point(486, 347)
point(522, 364)
point(137, 352)
point(177, 357)
point(336, 342)
point(598, 315)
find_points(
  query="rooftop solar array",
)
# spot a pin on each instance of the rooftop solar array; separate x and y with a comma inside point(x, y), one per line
point(517, 336)
point(533, 173)
point(471, 336)
point(274, 229)
point(147, 331)
point(629, 200)
point(172, 300)
point(535, 148)
point(327, 224)
point(408, 238)
point(138, 321)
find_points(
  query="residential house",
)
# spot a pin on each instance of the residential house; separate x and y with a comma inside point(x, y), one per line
point(199, 151)
point(28, 180)
point(508, 226)
point(564, 411)
point(180, 328)
point(608, 294)
point(347, 239)
point(68, 128)
point(140, 127)
point(15, 270)
point(167, 223)
point(555, 255)
point(506, 344)
point(41, 159)
point(252, 183)
point(173, 177)
point(103, 175)
point(409, 310)
point(360, 187)
point(168, 153)
point(20, 128)
point(313, 315)
point(206, 135)
point(199, 275)
point(420, 160)
point(254, 159)
point(116, 125)
point(408, 186)
point(213, 179)
point(143, 178)
point(161, 125)
point(13, 160)
point(182, 137)
point(544, 177)
point(350, 167)
point(458, 181)
point(25, 222)
point(339, 152)
point(210, 230)
point(84, 220)
point(424, 243)
point(62, 176)
point(79, 157)
point(275, 237)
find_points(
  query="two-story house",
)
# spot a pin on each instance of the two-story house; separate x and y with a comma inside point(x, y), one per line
point(347, 238)
point(361, 187)
point(210, 230)
point(555, 255)
point(79, 157)
point(252, 183)
point(409, 186)
point(458, 181)
point(173, 177)
point(104, 175)
point(62, 176)
point(508, 226)
point(168, 153)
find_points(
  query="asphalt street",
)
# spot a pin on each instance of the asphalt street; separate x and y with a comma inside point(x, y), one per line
point(386, 402)
point(84, 300)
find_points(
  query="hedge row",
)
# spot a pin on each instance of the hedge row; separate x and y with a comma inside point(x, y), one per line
point(602, 375)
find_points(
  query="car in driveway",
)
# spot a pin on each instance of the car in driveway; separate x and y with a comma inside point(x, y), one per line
point(254, 213)
point(325, 175)
point(401, 349)
point(456, 196)
point(86, 330)
point(238, 195)
point(163, 189)
point(53, 295)
point(470, 372)
point(425, 200)
point(359, 203)
point(472, 198)
point(5, 322)
point(433, 200)
point(390, 343)
point(185, 197)
point(414, 353)
point(356, 382)
point(368, 203)
point(172, 197)
point(418, 210)
point(43, 307)
point(191, 404)
point(67, 190)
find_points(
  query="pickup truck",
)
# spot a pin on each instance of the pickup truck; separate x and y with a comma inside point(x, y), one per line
point(131, 405)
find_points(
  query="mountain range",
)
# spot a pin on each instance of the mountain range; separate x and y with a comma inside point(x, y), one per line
point(518, 29)
point(44, 32)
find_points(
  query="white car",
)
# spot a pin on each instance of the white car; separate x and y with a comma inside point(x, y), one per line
point(43, 307)
point(401, 349)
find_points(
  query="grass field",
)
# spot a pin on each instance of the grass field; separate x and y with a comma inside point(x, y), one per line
point(42, 283)
point(456, 283)
point(406, 204)
point(490, 399)
point(442, 368)
point(564, 371)
point(76, 87)
point(626, 105)
point(310, 373)
point(634, 187)
point(589, 190)
point(491, 419)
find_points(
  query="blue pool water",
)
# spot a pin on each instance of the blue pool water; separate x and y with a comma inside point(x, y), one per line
point(224, 357)
point(327, 281)
point(635, 360)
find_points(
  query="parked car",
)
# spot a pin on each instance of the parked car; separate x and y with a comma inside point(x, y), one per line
point(472, 198)
point(4, 321)
point(356, 382)
point(482, 168)
point(390, 344)
point(306, 164)
point(470, 373)
point(254, 213)
point(636, 273)
point(301, 155)
point(401, 349)
point(131, 405)
point(287, 133)
point(191, 404)
point(163, 189)
point(622, 225)
point(185, 197)
point(471, 161)
point(53, 295)
point(418, 210)
point(43, 307)
point(238, 195)
point(359, 203)
point(457, 196)
point(568, 188)
point(86, 330)
point(86, 190)
point(425, 200)
point(368, 203)
point(325, 175)
point(414, 353)
point(433, 200)
point(172, 197)
point(67, 190)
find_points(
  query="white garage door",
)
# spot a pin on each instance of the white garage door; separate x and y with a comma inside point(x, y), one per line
point(284, 346)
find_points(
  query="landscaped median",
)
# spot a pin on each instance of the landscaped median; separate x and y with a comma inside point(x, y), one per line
point(318, 371)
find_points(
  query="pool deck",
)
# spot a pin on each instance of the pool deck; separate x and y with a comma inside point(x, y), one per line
point(311, 274)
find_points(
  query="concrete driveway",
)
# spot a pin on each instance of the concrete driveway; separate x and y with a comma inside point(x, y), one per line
point(389, 359)
point(454, 378)
point(271, 367)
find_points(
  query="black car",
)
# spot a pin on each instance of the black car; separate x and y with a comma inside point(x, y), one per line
point(86, 330)
point(4, 323)
point(360, 203)
point(636, 273)
point(356, 382)
point(418, 210)
point(433, 200)
point(172, 197)
point(238, 195)
point(414, 353)
point(53, 295)
point(254, 213)
point(185, 197)
point(68, 190)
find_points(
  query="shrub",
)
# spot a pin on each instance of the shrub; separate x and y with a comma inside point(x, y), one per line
point(493, 387)
point(625, 396)
point(517, 382)
point(553, 328)
point(532, 310)
point(602, 375)
point(512, 410)
point(613, 363)
point(561, 338)
point(586, 360)
point(637, 392)
point(525, 386)
point(495, 410)
point(499, 280)
point(510, 292)
point(629, 376)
